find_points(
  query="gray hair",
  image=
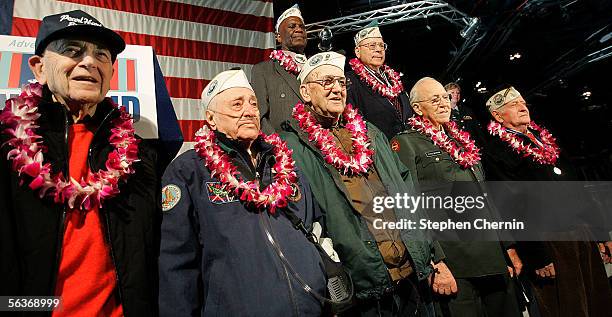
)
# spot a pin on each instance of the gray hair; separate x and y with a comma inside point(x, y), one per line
point(414, 91)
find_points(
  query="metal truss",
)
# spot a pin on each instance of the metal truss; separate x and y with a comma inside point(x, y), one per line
point(472, 30)
point(471, 42)
point(394, 14)
point(595, 50)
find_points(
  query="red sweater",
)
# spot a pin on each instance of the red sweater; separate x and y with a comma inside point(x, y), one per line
point(86, 279)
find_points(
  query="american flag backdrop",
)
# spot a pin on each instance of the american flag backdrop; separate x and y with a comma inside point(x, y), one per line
point(193, 39)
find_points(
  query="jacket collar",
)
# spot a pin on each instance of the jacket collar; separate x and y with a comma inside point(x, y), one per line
point(240, 155)
point(54, 115)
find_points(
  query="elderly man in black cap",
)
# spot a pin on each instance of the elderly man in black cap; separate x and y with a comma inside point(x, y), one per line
point(79, 197)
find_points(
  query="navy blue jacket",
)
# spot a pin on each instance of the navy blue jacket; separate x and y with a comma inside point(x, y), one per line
point(215, 259)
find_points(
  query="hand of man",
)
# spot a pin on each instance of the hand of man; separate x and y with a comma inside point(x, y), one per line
point(547, 271)
point(443, 281)
point(605, 249)
point(516, 262)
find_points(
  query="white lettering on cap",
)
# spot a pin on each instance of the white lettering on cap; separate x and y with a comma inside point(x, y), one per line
point(76, 21)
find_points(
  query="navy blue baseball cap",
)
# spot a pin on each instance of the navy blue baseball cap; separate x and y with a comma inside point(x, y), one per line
point(76, 23)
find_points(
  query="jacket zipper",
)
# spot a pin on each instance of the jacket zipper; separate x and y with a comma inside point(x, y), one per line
point(258, 164)
point(60, 238)
point(94, 137)
point(106, 214)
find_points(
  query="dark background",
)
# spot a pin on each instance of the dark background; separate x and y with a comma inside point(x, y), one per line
point(549, 35)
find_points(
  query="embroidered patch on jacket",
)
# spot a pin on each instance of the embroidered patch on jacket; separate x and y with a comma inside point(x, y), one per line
point(217, 194)
point(395, 146)
point(171, 195)
point(296, 195)
point(433, 153)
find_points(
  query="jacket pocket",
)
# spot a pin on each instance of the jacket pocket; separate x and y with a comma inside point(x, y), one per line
point(436, 168)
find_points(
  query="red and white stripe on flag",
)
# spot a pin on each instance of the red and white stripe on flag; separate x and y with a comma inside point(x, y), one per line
point(193, 39)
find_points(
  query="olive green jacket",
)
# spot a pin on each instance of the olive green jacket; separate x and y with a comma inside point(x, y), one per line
point(436, 173)
point(354, 243)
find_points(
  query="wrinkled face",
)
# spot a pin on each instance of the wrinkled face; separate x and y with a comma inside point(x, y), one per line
point(76, 71)
point(325, 98)
point(234, 112)
point(455, 95)
point(292, 35)
point(433, 102)
point(371, 52)
point(513, 114)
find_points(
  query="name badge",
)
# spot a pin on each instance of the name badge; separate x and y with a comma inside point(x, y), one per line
point(433, 153)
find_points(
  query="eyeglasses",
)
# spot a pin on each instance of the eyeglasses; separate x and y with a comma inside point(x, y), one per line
point(374, 46)
point(437, 99)
point(329, 82)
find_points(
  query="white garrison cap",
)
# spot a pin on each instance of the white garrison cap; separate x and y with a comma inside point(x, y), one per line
point(224, 80)
point(502, 97)
point(371, 30)
point(291, 12)
point(325, 58)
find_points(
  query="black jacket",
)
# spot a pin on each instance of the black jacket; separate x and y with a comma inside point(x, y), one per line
point(376, 108)
point(31, 228)
point(502, 163)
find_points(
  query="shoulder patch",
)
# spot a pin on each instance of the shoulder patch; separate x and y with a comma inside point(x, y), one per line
point(295, 195)
point(395, 145)
point(217, 194)
point(171, 195)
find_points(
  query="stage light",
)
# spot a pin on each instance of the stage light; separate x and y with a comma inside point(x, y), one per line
point(562, 83)
point(482, 90)
point(326, 37)
point(586, 95)
point(605, 38)
point(478, 84)
point(514, 56)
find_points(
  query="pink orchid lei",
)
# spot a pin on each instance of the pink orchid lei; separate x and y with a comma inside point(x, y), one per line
point(547, 154)
point(389, 92)
point(19, 117)
point(466, 153)
point(361, 159)
point(286, 61)
point(218, 162)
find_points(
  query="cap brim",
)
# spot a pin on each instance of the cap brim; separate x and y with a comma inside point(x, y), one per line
point(108, 37)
